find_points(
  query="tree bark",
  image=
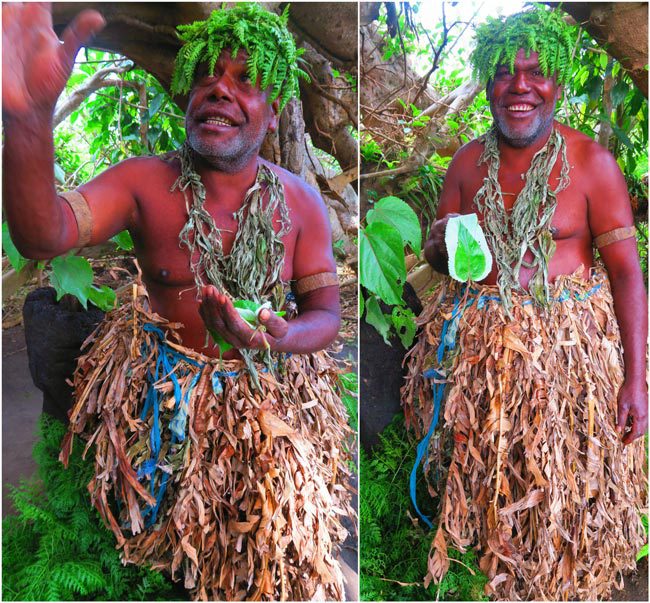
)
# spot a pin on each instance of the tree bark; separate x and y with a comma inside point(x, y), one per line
point(622, 29)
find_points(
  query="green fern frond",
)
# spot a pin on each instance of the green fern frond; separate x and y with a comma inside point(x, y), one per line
point(540, 30)
point(262, 34)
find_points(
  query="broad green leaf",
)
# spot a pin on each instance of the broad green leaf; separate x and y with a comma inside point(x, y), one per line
point(362, 306)
point(403, 320)
point(123, 240)
point(17, 261)
point(643, 552)
point(381, 256)
point(103, 297)
point(469, 255)
point(376, 318)
point(398, 214)
point(619, 92)
point(72, 274)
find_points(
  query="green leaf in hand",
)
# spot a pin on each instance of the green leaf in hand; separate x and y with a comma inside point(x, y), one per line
point(469, 255)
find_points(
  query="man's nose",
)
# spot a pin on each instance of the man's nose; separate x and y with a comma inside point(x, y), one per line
point(519, 82)
point(222, 88)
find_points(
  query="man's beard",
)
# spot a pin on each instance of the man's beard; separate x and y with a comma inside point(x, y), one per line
point(229, 156)
point(520, 139)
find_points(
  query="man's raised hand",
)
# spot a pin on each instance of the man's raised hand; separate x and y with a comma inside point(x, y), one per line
point(35, 64)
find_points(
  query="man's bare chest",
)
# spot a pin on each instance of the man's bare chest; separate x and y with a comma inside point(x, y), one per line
point(570, 215)
point(162, 217)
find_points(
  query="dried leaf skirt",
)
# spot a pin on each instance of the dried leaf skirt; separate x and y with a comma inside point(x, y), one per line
point(239, 491)
point(527, 464)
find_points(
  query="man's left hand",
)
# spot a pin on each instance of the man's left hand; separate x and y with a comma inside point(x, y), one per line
point(632, 411)
point(220, 315)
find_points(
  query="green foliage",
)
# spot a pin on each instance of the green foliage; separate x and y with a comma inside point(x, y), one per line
point(394, 212)
point(390, 226)
point(536, 30)
point(56, 548)
point(17, 261)
point(271, 49)
point(393, 549)
point(349, 395)
point(643, 552)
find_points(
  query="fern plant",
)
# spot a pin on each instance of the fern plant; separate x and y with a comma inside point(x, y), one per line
point(56, 547)
point(271, 49)
point(539, 30)
point(393, 550)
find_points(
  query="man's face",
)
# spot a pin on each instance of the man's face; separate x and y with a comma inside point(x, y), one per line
point(523, 103)
point(227, 115)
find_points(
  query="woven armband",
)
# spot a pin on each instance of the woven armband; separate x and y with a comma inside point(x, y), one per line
point(315, 281)
point(82, 215)
point(618, 234)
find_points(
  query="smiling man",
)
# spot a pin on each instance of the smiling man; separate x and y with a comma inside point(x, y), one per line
point(218, 431)
point(542, 364)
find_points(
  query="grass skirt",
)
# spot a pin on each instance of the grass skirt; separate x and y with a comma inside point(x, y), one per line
point(239, 490)
point(535, 476)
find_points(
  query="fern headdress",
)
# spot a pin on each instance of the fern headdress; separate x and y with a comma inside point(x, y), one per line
point(538, 30)
point(271, 49)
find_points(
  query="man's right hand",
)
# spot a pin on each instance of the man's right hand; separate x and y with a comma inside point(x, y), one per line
point(35, 65)
point(435, 249)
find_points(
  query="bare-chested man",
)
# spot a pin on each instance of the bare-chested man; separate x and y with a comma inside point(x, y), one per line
point(227, 119)
point(236, 472)
point(537, 407)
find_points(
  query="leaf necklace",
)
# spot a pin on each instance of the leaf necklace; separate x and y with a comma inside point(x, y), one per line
point(253, 268)
point(527, 226)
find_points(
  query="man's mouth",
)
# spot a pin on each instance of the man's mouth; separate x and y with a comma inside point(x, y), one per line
point(520, 108)
point(219, 121)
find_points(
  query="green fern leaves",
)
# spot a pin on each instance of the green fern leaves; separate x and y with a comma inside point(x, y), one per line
point(271, 49)
point(56, 547)
point(538, 30)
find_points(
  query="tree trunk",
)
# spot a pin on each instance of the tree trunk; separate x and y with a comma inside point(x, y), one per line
point(622, 29)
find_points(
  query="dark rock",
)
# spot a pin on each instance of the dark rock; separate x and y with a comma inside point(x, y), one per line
point(381, 376)
point(54, 333)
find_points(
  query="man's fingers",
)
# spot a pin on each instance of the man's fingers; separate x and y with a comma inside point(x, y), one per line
point(79, 32)
point(275, 325)
point(623, 413)
point(636, 431)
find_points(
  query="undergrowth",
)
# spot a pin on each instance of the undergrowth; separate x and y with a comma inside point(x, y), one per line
point(56, 548)
point(394, 551)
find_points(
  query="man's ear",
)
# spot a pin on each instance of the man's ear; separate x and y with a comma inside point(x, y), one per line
point(275, 115)
point(488, 88)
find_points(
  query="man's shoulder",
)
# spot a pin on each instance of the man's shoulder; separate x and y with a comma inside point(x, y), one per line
point(581, 145)
point(467, 155)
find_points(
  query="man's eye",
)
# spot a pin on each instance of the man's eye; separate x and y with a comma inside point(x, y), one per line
point(245, 78)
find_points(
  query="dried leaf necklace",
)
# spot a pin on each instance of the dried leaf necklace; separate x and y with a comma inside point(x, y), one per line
point(527, 226)
point(253, 268)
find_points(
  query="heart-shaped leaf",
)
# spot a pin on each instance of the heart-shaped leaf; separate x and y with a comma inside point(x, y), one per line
point(469, 255)
point(398, 214)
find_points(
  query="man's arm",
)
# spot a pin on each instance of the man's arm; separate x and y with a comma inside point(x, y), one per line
point(36, 67)
point(319, 317)
point(609, 209)
point(435, 250)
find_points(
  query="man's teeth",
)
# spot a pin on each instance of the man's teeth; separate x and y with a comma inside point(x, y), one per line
point(520, 108)
point(219, 121)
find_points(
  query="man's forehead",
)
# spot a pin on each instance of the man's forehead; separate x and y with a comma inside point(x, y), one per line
point(525, 59)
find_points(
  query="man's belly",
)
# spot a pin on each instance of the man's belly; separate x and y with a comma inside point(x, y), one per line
point(180, 304)
point(569, 255)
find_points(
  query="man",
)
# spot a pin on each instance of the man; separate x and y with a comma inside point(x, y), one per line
point(537, 412)
point(229, 480)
